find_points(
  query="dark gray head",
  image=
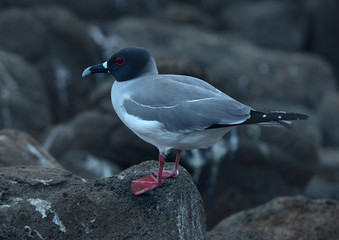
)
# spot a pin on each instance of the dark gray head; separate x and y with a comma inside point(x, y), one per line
point(126, 64)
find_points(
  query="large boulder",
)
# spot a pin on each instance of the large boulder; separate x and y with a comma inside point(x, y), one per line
point(54, 204)
point(24, 103)
point(185, 13)
point(272, 24)
point(59, 45)
point(284, 218)
point(325, 32)
point(19, 149)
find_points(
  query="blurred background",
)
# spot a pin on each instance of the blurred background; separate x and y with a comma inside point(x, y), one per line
point(269, 54)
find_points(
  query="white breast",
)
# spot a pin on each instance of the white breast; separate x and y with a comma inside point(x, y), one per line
point(149, 131)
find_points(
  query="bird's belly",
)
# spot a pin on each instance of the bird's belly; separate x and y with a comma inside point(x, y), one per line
point(200, 139)
point(155, 133)
point(165, 140)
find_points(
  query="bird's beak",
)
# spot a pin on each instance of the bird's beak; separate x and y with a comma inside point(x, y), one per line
point(100, 68)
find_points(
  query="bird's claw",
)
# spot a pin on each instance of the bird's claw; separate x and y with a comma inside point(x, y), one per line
point(145, 184)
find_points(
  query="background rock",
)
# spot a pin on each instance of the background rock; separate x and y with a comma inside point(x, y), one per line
point(285, 21)
point(188, 14)
point(59, 50)
point(87, 165)
point(19, 149)
point(281, 218)
point(100, 209)
point(325, 21)
point(240, 69)
point(266, 162)
point(101, 134)
point(24, 102)
point(288, 25)
point(329, 120)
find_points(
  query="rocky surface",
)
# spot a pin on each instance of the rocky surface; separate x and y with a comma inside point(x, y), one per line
point(46, 203)
point(282, 218)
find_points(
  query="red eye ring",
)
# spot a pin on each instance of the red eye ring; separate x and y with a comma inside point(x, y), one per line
point(119, 61)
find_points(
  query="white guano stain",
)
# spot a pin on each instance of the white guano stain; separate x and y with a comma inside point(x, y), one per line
point(43, 206)
point(44, 182)
point(40, 205)
point(121, 177)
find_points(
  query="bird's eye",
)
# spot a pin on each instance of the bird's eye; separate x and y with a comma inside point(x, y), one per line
point(119, 61)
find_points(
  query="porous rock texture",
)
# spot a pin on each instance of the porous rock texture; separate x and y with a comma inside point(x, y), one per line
point(283, 218)
point(45, 203)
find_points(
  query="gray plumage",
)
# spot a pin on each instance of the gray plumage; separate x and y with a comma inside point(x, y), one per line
point(188, 103)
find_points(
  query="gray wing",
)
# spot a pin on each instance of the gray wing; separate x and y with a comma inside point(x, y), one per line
point(186, 104)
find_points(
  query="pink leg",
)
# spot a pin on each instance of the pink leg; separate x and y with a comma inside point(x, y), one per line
point(149, 182)
point(174, 173)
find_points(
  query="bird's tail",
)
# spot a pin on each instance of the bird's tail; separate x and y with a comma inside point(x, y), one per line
point(274, 117)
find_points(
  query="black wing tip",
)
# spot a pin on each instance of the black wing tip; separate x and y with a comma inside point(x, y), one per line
point(281, 115)
point(282, 118)
point(304, 117)
point(300, 116)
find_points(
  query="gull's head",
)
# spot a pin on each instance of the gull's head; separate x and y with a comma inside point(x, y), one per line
point(126, 64)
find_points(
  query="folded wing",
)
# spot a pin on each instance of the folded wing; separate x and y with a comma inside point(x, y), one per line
point(183, 106)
